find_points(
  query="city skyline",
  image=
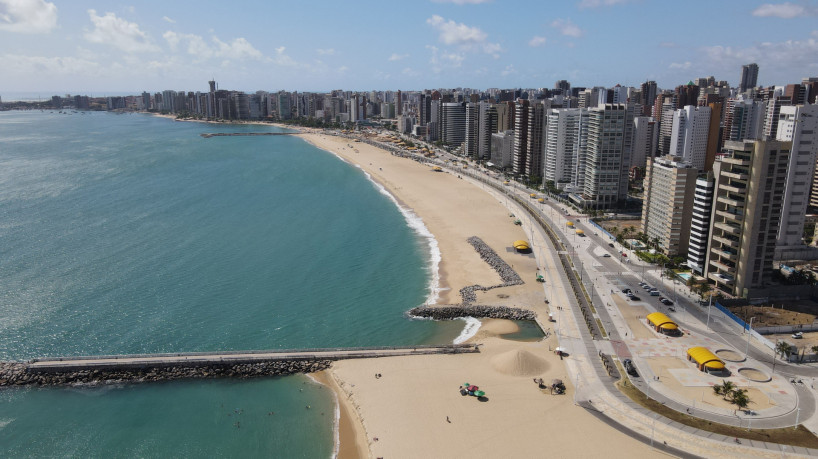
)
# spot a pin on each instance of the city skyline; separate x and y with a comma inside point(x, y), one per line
point(94, 47)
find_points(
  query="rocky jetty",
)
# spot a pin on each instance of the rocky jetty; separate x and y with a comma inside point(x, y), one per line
point(19, 374)
point(457, 311)
point(507, 274)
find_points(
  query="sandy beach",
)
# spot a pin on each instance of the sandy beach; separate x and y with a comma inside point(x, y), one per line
point(414, 409)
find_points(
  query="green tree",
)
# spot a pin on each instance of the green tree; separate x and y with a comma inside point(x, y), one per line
point(727, 388)
point(717, 388)
point(740, 398)
point(784, 348)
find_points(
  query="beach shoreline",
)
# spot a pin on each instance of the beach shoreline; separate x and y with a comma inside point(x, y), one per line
point(390, 411)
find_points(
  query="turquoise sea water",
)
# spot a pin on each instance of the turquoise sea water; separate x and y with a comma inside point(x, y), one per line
point(133, 234)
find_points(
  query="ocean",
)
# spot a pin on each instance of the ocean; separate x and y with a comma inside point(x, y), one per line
point(128, 233)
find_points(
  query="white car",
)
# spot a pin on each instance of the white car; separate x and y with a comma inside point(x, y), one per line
point(797, 335)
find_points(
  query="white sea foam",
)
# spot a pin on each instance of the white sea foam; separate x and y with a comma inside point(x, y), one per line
point(4, 423)
point(471, 328)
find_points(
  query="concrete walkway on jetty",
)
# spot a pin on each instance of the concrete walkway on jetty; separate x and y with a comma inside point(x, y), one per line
point(245, 134)
point(65, 364)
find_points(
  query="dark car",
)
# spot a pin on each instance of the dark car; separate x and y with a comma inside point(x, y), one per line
point(634, 298)
point(610, 244)
point(667, 302)
point(630, 367)
point(626, 290)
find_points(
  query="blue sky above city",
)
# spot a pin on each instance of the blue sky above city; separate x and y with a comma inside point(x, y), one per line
point(95, 47)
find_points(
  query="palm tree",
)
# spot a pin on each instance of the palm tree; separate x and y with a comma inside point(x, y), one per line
point(784, 348)
point(717, 388)
point(740, 399)
point(727, 388)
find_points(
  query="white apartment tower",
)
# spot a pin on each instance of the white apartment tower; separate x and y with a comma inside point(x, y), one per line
point(700, 224)
point(562, 144)
point(688, 138)
point(797, 124)
point(607, 156)
point(487, 123)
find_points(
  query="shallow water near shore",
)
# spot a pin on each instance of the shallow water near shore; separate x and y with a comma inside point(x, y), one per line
point(133, 234)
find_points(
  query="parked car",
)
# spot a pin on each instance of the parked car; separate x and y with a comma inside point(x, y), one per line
point(630, 367)
point(654, 293)
point(667, 302)
point(626, 290)
point(647, 287)
point(634, 298)
point(607, 255)
point(798, 335)
point(610, 244)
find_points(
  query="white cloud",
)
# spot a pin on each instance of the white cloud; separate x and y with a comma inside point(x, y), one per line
point(325, 52)
point(598, 3)
point(167, 19)
point(37, 65)
point(408, 71)
point(778, 61)
point(398, 57)
point(27, 16)
point(238, 48)
point(441, 60)
point(453, 33)
point(509, 70)
point(682, 66)
point(463, 2)
point(537, 41)
point(566, 27)
point(785, 10)
point(463, 36)
point(342, 69)
point(119, 33)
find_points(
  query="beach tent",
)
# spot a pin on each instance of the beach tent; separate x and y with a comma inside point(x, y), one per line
point(521, 245)
point(662, 323)
point(705, 360)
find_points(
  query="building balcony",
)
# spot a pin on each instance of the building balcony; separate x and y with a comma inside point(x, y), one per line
point(736, 175)
point(733, 186)
point(721, 252)
point(728, 228)
point(729, 201)
point(730, 216)
point(736, 161)
point(725, 241)
point(721, 278)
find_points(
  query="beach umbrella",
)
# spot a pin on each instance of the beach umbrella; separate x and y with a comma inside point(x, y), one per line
point(559, 349)
point(556, 382)
point(472, 388)
point(479, 393)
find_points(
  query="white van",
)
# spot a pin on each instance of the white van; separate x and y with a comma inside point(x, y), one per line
point(654, 292)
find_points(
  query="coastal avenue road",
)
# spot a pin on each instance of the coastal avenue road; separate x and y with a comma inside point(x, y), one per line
point(201, 358)
point(591, 262)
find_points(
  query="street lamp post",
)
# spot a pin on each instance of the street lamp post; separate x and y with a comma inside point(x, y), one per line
point(747, 350)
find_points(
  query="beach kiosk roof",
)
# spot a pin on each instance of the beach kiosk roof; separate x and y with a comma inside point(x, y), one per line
point(521, 245)
point(705, 360)
point(579, 231)
point(662, 323)
point(570, 223)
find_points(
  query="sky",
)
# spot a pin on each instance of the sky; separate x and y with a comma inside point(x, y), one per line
point(96, 47)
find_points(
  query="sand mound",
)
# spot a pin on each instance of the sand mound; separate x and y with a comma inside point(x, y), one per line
point(519, 363)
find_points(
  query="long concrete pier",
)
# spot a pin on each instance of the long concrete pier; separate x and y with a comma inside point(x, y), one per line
point(161, 367)
point(208, 358)
point(239, 134)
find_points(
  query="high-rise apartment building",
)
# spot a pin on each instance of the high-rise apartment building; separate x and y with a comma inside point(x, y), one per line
point(798, 124)
point(453, 123)
point(645, 139)
point(688, 139)
point(744, 119)
point(487, 122)
point(534, 145)
point(562, 144)
point(700, 223)
point(748, 200)
point(606, 156)
point(520, 136)
point(749, 77)
point(472, 130)
point(668, 204)
point(502, 148)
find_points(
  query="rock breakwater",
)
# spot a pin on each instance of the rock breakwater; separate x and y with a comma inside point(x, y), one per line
point(507, 274)
point(19, 374)
point(479, 312)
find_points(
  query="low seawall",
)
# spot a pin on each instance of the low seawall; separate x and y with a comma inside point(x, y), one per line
point(479, 312)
